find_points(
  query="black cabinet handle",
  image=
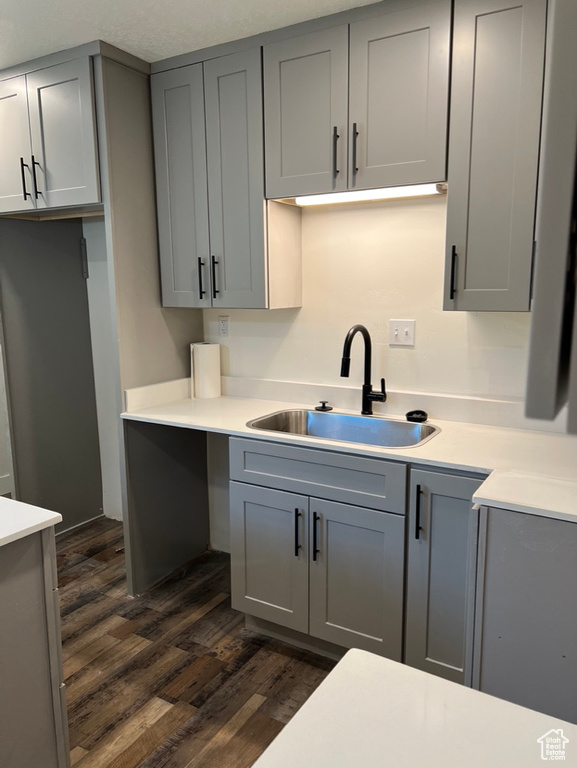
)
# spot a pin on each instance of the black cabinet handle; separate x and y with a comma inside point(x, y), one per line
point(355, 137)
point(214, 261)
point(297, 545)
point(24, 190)
point(201, 290)
point(34, 179)
point(336, 138)
point(316, 549)
point(418, 513)
point(453, 288)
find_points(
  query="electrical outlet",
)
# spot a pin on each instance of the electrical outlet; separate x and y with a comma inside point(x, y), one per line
point(223, 325)
point(401, 333)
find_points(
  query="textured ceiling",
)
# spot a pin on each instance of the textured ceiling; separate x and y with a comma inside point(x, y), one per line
point(150, 29)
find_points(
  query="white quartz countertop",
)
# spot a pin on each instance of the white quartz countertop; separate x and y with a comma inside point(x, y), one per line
point(18, 520)
point(545, 457)
point(371, 712)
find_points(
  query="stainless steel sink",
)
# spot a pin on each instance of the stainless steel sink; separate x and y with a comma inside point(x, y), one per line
point(371, 430)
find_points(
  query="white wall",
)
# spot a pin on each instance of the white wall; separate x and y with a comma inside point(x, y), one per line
point(366, 264)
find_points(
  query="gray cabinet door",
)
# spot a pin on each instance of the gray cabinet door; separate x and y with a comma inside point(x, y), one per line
point(442, 548)
point(234, 141)
point(15, 176)
point(399, 80)
point(63, 134)
point(181, 186)
point(305, 97)
point(356, 577)
point(526, 621)
point(269, 555)
point(497, 83)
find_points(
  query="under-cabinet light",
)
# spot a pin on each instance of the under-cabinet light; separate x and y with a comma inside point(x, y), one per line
point(361, 195)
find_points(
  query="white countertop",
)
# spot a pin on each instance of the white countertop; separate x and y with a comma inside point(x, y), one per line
point(18, 520)
point(371, 712)
point(546, 457)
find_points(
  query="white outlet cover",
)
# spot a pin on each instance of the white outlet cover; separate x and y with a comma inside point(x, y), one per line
point(401, 333)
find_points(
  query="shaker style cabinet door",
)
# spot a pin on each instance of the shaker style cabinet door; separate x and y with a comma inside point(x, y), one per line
point(269, 554)
point(63, 135)
point(234, 141)
point(399, 80)
point(442, 548)
point(356, 577)
point(16, 191)
point(497, 83)
point(305, 96)
point(181, 186)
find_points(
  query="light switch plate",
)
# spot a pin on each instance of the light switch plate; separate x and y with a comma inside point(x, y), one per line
point(401, 333)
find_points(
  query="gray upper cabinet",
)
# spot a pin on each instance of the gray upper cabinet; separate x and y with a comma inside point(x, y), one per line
point(306, 116)
point(181, 186)
point(442, 547)
point(393, 130)
point(398, 97)
point(234, 140)
point(208, 138)
point(15, 181)
point(49, 155)
point(497, 82)
point(526, 623)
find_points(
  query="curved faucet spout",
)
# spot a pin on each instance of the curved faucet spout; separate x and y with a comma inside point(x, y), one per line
point(368, 395)
point(346, 362)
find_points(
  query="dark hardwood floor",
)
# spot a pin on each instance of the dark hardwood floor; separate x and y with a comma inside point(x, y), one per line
point(170, 679)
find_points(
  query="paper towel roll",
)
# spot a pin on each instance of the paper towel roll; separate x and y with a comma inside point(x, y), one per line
point(205, 365)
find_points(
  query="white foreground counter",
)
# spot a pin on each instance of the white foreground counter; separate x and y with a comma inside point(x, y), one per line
point(371, 712)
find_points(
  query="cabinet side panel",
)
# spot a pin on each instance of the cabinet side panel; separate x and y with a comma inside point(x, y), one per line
point(26, 701)
point(284, 236)
point(528, 638)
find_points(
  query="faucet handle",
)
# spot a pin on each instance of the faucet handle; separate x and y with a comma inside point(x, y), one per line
point(383, 390)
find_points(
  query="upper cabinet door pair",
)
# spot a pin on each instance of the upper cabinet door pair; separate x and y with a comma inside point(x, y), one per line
point(209, 179)
point(48, 150)
point(359, 106)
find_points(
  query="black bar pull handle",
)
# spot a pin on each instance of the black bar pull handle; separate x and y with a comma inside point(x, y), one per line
point(453, 287)
point(24, 190)
point(214, 261)
point(336, 138)
point(34, 179)
point(418, 528)
point(298, 546)
point(201, 290)
point(316, 550)
point(355, 137)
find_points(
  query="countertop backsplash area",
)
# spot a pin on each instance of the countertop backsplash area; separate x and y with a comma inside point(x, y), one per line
point(369, 263)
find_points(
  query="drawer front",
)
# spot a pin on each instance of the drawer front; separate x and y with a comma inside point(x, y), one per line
point(340, 477)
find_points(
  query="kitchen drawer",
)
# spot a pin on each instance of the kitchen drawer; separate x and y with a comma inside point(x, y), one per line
point(339, 477)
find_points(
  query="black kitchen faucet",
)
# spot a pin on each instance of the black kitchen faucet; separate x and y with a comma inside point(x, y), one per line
point(368, 395)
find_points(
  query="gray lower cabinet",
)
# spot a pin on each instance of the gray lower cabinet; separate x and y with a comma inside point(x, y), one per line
point(333, 571)
point(393, 130)
point(526, 611)
point(496, 92)
point(442, 547)
point(48, 147)
point(208, 139)
point(33, 724)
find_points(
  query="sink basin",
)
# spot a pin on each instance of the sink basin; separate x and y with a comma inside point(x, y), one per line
point(370, 430)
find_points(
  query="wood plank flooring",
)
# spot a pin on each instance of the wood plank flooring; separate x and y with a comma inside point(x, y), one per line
point(170, 679)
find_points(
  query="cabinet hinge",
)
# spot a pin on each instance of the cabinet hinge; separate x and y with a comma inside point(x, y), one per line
point(84, 258)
